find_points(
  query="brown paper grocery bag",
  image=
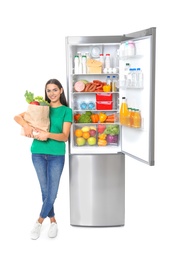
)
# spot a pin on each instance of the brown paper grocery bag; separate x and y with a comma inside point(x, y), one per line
point(37, 117)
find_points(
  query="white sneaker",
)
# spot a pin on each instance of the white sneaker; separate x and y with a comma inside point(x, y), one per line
point(35, 233)
point(53, 230)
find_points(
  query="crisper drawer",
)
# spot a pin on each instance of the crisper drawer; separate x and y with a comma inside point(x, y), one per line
point(96, 135)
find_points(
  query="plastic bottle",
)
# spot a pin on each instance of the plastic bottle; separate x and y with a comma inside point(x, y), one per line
point(137, 119)
point(122, 50)
point(76, 64)
point(129, 78)
point(131, 116)
point(123, 112)
point(102, 60)
point(107, 61)
point(126, 71)
point(133, 78)
point(139, 78)
point(84, 66)
point(87, 57)
point(109, 82)
point(114, 83)
point(80, 62)
point(131, 49)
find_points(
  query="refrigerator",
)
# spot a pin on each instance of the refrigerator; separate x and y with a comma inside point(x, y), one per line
point(97, 168)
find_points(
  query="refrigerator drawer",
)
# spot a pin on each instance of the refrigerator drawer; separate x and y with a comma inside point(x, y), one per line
point(104, 105)
point(104, 97)
point(97, 190)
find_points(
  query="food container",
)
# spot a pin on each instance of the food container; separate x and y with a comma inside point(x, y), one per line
point(104, 97)
point(104, 105)
point(94, 66)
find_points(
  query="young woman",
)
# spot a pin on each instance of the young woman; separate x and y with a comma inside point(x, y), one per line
point(48, 152)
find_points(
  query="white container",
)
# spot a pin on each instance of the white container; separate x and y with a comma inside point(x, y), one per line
point(87, 57)
point(80, 62)
point(76, 64)
point(122, 50)
point(133, 77)
point(126, 71)
point(102, 60)
point(139, 78)
point(107, 61)
point(131, 49)
point(84, 66)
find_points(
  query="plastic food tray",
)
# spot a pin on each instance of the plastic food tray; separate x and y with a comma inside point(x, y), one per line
point(104, 97)
point(104, 105)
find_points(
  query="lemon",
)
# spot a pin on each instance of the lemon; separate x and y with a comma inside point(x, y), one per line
point(85, 129)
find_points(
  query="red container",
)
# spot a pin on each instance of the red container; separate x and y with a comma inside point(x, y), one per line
point(104, 97)
point(104, 105)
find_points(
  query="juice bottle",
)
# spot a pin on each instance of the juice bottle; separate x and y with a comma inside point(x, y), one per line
point(132, 117)
point(124, 112)
point(129, 116)
point(137, 119)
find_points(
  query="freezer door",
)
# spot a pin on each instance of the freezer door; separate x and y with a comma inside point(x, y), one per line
point(139, 143)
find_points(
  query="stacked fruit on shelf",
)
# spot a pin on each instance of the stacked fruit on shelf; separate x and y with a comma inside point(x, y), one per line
point(100, 135)
point(85, 135)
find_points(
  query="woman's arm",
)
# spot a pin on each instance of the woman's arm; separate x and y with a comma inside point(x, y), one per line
point(43, 136)
point(28, 130)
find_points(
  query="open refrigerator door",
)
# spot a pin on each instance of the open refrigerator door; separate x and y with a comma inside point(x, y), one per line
point(138, 86)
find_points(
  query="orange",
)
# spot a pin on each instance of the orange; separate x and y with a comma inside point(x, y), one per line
point(78, 132)
point(86, 135)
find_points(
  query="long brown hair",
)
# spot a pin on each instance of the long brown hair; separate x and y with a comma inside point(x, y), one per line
point(63, 99)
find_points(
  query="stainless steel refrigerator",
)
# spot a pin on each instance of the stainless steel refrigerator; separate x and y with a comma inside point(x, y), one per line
point(97, 172)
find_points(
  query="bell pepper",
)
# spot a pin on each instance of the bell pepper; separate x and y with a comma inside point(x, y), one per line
point(101, 128)
point(102, 136)
point(95, 118)
point(102, 117)
point(106, 88)
point(102, 142)
point(76, 117)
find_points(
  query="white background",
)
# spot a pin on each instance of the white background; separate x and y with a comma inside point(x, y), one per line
point(32, 50)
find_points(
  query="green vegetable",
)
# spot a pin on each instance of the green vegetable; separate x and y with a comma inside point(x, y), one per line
point(41, 101)
point(112, 130)
point(29, 96)
point(89, 113)
point(85, 118)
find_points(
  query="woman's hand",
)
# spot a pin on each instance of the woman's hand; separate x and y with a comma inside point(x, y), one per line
point(28, 130)
point(40, 135)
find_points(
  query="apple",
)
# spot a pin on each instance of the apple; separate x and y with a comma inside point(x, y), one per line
point(91, 140)
point(80, 141)
point(92, 132)
point(34, 103)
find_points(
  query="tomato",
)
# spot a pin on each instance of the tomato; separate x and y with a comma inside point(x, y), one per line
point(76, 117)
point(34, 103)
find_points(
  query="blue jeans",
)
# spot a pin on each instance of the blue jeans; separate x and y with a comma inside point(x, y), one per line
point(49, 169)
